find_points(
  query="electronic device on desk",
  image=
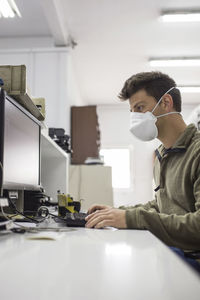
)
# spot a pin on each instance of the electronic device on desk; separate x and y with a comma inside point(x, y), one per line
point(69, 210)
point(66, 204)
point(62, 139)
point(75, 219)
point(72, 219)
point(93, 161)
point(20, 134)
point(33, 200)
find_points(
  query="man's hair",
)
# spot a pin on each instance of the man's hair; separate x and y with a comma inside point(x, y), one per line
point(155, 84)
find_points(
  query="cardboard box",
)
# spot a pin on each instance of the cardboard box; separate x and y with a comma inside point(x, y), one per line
point(14, 78)
point(40, 103)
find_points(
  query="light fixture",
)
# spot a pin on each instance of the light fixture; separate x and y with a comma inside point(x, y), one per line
point(189, 15)
point(175, 62)
point(189, 89)
point(8, 9)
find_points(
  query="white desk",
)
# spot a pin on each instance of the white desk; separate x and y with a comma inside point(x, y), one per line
point(88, 264)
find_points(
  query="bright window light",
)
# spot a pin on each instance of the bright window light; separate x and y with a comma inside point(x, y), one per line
point(8, 9)
point(119, 160)
point(180, 17)
point(181, 62)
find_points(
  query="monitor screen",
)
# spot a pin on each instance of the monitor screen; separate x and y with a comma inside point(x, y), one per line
point(21, 148)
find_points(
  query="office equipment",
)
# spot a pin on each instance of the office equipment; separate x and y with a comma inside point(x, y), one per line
point(62, 139)
point(14, 78)
point(94, 264)
point(33, 200)
point(75, 219)
point(20, 146)
point(93, 161)
point(67, 205)
point(6, 225)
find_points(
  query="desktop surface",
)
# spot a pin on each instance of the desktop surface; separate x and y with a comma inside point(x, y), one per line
point(84, 264)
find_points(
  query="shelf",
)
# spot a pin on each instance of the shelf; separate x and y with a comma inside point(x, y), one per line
point(54, 167)
point(51, 148)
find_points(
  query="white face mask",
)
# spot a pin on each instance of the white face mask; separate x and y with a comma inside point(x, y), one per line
point(143, 125)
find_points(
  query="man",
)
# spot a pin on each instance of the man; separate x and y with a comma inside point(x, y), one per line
point(174, 214)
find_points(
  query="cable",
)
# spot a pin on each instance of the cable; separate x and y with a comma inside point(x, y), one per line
point(1, 187)
point(58, 217)
point(12, 222)
point(20, 213)
point(3, 213)
point(24, 229)
point(44, 210)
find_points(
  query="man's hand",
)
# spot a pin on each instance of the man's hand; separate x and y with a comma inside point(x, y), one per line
point(96, 207)
point(107, 217)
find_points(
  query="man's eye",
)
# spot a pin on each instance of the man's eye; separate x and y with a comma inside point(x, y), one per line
point(139, 108)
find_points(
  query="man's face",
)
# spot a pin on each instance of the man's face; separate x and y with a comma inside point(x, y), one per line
point(141, 102)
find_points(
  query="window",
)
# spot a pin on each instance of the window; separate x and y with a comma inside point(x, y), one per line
point(119, 160)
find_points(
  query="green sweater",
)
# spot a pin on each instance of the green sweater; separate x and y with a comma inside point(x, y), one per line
point(174, 215)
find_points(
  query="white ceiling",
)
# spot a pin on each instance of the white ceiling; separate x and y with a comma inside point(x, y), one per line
point(115, 39)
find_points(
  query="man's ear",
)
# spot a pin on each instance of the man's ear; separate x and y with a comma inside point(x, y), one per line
point(167, 102)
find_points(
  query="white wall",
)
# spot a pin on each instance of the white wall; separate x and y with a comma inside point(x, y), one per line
point(26, 42)
point(114, 127)
point(49, 75)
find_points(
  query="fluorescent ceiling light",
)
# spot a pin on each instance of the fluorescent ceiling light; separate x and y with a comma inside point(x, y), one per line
point(175, 62)
point(180, 17)
point(189, 89)
point(8, 9)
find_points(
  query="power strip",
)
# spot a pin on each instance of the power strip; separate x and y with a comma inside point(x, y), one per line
point(5, 225)
point(3, 202)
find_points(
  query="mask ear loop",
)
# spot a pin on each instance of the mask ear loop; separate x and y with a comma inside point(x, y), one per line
point(161, 98)
point(170, 113)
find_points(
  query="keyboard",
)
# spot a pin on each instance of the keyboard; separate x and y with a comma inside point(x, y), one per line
point(75, 219)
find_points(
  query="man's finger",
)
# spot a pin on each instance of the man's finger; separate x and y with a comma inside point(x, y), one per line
point(103, 224)
point(89, 217)
point(95, 220)
point(92, 209)
point(97, 213)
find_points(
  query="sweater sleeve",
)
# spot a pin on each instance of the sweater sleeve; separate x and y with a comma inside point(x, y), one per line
point(182, 231)
point(151, 205)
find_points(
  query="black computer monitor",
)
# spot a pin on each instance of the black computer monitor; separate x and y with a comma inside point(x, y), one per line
point(20, 146)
